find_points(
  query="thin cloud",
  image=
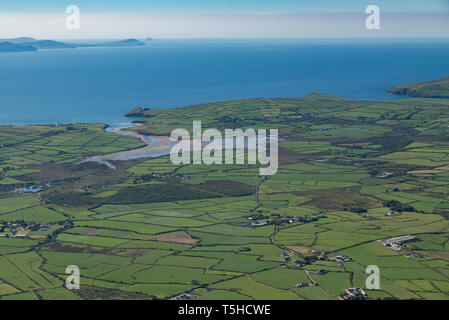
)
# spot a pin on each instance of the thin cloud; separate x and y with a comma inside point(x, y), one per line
point(242, 25)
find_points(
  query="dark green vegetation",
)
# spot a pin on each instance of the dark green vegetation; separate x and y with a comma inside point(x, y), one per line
point(151, 229)
point(432, 89)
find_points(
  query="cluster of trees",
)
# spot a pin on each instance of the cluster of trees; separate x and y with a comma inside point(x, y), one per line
point(398, 206)
point(357, 210)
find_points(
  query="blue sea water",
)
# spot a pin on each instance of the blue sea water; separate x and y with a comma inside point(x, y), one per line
point(102, 84)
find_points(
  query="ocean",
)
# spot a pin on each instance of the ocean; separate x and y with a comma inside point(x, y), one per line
point(102, 84)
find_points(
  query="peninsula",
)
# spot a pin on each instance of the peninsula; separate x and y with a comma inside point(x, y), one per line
point(432, 89)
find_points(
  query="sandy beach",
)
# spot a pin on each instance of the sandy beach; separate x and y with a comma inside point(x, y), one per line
point(156, 146)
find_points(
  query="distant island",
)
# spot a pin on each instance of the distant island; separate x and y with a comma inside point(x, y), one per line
point(120, 43)
point(432, 89)
point(15, 47)
point(27, 44)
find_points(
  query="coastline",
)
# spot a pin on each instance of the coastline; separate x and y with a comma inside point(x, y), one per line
point(116, 94)
point(156, 146)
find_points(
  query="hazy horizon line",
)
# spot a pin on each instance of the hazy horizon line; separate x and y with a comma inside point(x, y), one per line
point(234, 38)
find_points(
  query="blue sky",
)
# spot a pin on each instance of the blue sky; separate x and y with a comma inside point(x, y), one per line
point(237, 6)
point(224, 18)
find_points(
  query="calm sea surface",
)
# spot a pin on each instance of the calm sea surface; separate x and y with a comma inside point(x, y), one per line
point(102, 84)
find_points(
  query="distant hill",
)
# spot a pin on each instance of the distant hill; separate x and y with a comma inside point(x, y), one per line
point(127, 42)
point(23, 44)
point(50, 44)
point(120, 43)
point(432, 89)
point(20, 40)
point(14, 47)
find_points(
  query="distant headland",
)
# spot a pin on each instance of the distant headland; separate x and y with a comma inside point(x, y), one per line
point(432, 89)
point(27, 44)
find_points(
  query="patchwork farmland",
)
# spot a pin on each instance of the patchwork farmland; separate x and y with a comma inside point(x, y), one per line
point(351, 174)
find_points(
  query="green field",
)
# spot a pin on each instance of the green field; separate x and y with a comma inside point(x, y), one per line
point(149, 229)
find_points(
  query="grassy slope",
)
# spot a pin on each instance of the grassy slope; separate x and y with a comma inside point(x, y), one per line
point(432, 89)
